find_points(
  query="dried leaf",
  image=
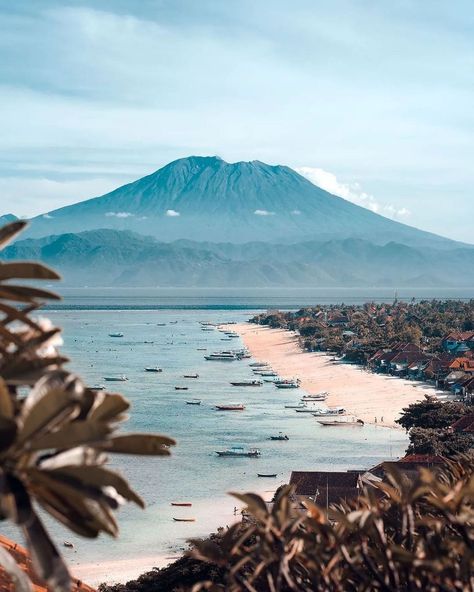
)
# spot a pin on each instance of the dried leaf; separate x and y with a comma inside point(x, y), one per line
point(71, 435)
point(143, 444)
point(9, 231)
point(27, 270)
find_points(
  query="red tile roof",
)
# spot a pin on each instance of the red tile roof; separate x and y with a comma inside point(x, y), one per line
point(22, 557)
point(465, 424)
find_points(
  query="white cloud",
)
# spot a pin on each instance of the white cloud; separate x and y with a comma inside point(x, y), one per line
point(263, 213)
point(172, 213)
point(120, 214)
point(350, 191)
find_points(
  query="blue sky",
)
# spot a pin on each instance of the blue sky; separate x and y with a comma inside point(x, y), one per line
point(371, 99)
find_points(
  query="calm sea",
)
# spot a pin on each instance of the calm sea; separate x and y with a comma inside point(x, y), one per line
point(194, 472)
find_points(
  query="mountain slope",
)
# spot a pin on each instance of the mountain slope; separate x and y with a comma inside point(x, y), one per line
point(112, 258)
point(208, 199)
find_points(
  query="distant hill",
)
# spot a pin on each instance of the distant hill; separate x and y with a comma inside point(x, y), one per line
point(208, 199)
point(6, 218)
point(122, 258)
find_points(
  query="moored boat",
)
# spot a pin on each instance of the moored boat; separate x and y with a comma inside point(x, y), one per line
point(328, 412)
point(191, 376)
point(231, 407)
point(153, 369)
point(182, 504)
point(248, 383)
point(280, 437)
point(287, 384)
point(184, 519)
point(343, 420)
point(296, 406)
point(115, 378)
point(236, 451)
point(116, 334)
point(267, 474)
point(194, 402)
point(181, 388)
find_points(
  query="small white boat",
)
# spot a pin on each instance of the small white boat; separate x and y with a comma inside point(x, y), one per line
point(330, 411)
point(194, 402)
point(343, 420)
point(258, 365)
point(231, 407)
point(317, 397)
point(296, 406)
point(221, 357)
point(287, 384)
point(115, 334)
point(116, 378)
point(153, 369)
point(247, 383)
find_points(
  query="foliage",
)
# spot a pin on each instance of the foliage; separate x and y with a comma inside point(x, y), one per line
point(432, 413)
point(439, 442)
point(397, 536)
point(55, 432)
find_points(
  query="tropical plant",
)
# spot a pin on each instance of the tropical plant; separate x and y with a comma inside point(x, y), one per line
point(399, 535)
point(55, 432)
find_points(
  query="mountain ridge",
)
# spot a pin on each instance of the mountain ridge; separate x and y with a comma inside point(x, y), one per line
point(114, 258)
point(207, 199)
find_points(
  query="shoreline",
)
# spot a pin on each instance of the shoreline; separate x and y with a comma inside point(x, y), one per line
point(375, 398)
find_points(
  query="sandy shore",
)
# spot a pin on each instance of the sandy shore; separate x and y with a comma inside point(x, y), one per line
point(209, 514)
point(372, 397)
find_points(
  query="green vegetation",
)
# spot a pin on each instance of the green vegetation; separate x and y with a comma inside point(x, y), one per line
point(55, 432)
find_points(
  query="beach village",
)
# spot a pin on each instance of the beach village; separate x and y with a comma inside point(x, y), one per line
point(372, 364)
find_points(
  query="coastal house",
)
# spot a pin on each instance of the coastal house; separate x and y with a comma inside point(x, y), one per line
point(409, 465)
point(338, 320)
point(326, 487)
point(398, 359)
point(458, 341)
point(464, 424)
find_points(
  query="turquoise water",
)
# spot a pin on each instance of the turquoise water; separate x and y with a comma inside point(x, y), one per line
point(194, 472)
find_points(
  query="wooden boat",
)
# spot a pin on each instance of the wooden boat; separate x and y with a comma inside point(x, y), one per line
point(267, 474)
point(153, 369)
point(173, 322)
point(343, 420)
point(194, 402)
point(191, 376)
point(297, 406)
point(329, 412)
point(280, 437)
point(184, 519)
point(160, 324)
point(115, 334)
point(287, 384)
point(181, 388)
point(248, 383)
point(68, 544)
point(231, 407)
point(182, 504)
point(115, 378)
point(239, 451)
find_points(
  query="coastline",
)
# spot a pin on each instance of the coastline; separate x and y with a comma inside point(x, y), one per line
point(374, 398)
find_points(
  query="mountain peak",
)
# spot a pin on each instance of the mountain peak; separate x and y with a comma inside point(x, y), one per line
point(205, 198)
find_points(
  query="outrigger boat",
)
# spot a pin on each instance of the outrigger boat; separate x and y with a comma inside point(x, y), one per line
point(115, 334)
point(191, 376)
point(182, 504)
point(267, 474)
point(330, 411)
point(236, 451)
point(287, 384)
point(248, 383)
point(194, 402)
point(280, 437)
point(181, 388)
point(231, 407)
point(116, 378)
point(153, 369)
point(343, 420)
point(184, 519)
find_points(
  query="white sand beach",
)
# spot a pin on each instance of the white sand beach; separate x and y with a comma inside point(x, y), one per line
point(374, 398)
